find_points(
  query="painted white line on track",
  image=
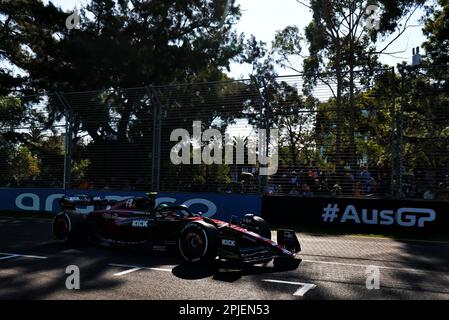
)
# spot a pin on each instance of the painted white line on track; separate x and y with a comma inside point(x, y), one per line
point(127, 271)
point(305, 287)
point(7, 257)
point(160, 269)
point(22, 255)
point(412, 270)
point(399, 239)
point(135, 268)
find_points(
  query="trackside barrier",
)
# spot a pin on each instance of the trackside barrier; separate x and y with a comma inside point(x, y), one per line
point(219, 206)
point(357, 214)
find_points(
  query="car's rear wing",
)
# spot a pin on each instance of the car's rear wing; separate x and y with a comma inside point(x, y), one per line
point(289, 240)
point(72, 202)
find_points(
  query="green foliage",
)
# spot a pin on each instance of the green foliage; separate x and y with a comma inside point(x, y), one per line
point(23, 164)
point(425, 117)
point(342, 53)
point(12, 112)
point(126, 44)
point(189, 42)
point(437, 31)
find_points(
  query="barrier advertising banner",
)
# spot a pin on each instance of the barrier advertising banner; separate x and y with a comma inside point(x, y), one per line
point(358, 214)
point(220, 206)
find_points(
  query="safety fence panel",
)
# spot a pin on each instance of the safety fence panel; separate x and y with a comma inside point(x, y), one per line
point(424, 133)
point(384, 135)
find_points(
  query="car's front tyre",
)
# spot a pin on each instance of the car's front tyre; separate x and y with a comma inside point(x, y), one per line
point(198, 242)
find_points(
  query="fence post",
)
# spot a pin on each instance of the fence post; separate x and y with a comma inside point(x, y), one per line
point(393, 137)
point(67, 141)
point(265, 115)
point(400, 134)
point(156, 147)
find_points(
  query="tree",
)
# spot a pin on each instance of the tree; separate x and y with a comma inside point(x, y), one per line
point(436, 29)
point(127, 44)
point(342, 52)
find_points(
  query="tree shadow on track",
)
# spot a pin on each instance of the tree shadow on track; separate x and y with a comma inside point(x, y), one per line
point(430, 257)
point(25, 278)
point(29, 278)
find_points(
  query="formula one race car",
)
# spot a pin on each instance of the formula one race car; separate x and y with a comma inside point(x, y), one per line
point(136, 221)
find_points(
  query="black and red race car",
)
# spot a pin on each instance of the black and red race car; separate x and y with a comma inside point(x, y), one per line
point(137, 222)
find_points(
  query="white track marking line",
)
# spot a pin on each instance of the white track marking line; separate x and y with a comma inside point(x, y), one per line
point(308, 236)
point(305, 287)
point(127, 271)
point(22, 255)
point(160, 269)
point(7, 257)
point(135, 268)
point(400, 239)
point(380, 267)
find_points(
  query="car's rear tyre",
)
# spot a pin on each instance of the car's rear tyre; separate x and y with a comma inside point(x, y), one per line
point(198, 242)
point(69, 227)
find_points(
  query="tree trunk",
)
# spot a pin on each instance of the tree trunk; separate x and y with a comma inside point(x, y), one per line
point(339, 124)
point(123, 123)
point(352, 146)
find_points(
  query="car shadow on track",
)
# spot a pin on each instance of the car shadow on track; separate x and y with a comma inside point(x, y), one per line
point(132, 256)
point(222, 271)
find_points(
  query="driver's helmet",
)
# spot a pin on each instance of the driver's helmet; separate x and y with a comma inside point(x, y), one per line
point(162, 206)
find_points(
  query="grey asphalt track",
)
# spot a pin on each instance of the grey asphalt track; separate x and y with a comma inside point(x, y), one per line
point(33, 266)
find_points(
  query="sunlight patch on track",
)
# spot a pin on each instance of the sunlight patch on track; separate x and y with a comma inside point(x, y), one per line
point(410, 270)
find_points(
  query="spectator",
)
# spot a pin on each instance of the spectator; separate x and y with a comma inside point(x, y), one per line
point(294, 191)
point(84, 185)
point(246, 179)
point(271, 187)
point(357, 189)
point(336, 190)
point(430, 193)
point(294, 179)
point(443, 194)
point(373, 186)
point(365, 179)
point(12, 183)
point(306, 191)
